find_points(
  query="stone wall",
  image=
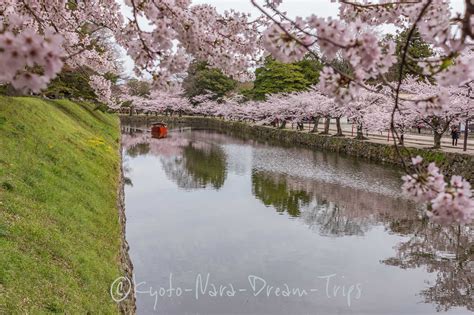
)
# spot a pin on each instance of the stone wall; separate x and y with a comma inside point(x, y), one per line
point(450, 163)
point(128, 304)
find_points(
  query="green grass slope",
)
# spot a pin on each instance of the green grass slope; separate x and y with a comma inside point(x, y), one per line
point(59, 231)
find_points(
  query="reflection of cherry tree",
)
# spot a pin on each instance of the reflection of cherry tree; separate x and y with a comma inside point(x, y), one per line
point(139, 149)
point(329, 219)
point(326, 207)
point(446, 251)
point(140, 143)
point(356, 202)
point(342, 211)
point(341, 196)
point(191, 159)
point(331, 210)
point(189, 162)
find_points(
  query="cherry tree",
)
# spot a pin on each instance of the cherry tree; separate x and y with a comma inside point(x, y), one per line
point(435, 106)
point(352, 38)
point(359, 112)
point(465, 96)
point(170, 101)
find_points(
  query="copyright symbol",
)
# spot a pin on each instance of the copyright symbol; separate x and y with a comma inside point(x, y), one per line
point(118, 287)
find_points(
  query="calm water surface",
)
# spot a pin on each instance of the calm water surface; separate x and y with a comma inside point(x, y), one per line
point(219, 225)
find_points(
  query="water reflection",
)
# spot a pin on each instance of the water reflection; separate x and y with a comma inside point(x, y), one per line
point(190, 163)
point(327, 208)
point(206, 163)
point(447, 252)
point(274, 191)
point(347, 217)
point(138, 149)
point(200, 165)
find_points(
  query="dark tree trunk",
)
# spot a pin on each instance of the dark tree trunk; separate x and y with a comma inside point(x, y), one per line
point(360, 133)
point(316, 123)
point(401, 138)
point(437, 139)
point(283, 124)
point(466, 133)
point(327, 122)
point(339, 128)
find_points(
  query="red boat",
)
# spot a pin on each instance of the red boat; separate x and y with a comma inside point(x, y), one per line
point(159, 131)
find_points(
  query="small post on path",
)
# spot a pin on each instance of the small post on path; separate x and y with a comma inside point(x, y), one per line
point(388, 136)
point(466, 132)
point(352, 135)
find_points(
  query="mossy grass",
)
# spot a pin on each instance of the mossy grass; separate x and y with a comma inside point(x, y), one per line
point(59, 230)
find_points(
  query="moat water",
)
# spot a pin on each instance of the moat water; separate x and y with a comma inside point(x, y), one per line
point(221, 225)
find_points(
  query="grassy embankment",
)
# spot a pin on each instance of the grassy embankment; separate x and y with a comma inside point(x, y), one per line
point(59, 231)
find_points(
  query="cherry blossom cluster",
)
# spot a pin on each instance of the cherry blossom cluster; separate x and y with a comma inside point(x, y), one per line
point(228, 41)
point(333, 83)
point(424, 186)
point(159, 101)
point(367, 55)
point(102, 89)
point(427, 98)
point(435, 107)
point(448, 203)
point(38, 37)
point(161, 36)
point(354, 38)
point(29, 60)
point(460, 72)
point(279, 40)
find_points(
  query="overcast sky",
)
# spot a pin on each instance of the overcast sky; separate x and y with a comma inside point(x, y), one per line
point(323, 8)
point(294, 8)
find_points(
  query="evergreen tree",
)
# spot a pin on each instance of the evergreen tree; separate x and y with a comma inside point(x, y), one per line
point(310, 67)
point(277, 77)
point(417, 49)
point(204, 80)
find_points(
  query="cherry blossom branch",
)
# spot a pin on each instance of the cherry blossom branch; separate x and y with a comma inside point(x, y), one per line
point(399, 83)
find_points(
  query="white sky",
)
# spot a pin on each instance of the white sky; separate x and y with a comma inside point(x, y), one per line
point(294, 8)
point(304, 8)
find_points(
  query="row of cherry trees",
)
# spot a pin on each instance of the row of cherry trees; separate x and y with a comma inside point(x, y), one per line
point(369, 112)
point(353, 37)
point(37, 37)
